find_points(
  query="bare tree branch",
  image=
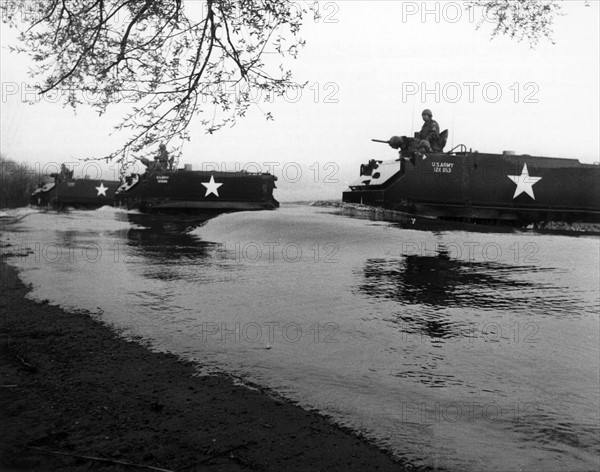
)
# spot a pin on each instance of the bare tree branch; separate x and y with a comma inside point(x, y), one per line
point(169, 57)
point(174, 61)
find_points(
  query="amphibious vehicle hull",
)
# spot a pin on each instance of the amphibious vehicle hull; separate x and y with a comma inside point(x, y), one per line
point(487, 188)
point(197, 192)
point(75, 193)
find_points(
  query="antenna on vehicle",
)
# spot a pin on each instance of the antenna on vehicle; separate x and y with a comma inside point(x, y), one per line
point(413, 114)
point(453, 129)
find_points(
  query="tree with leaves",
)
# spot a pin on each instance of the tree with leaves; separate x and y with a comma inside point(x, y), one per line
point(174, 60)
point(529, 20)
point(171, 59)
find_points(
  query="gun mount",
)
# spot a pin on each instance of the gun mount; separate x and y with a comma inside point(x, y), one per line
point(407, 147)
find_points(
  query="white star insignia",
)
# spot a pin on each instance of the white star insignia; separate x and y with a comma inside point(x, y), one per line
point(102, 189)
point(211, 187)
point(524, 182)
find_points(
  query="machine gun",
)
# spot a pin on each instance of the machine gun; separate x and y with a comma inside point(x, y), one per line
point(407, 146)
point(410, 146)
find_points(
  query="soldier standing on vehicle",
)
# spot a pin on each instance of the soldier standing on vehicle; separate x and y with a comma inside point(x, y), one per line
point(163, 157)
point(430, 133)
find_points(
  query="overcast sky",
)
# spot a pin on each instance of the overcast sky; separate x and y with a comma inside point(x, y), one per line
point(371, 68)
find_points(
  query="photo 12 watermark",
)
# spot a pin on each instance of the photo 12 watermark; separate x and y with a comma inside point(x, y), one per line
point(88, 169)
point(269, 332)
point(471, 92)
point(466, 412)
point(247, 252)
point(327, 92)
point(291, 172)
point(491, 251)
point(486, 331)
point(290, 252)
point(445, 12)
point(90, 95)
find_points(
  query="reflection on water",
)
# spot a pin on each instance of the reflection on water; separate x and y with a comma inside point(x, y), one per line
point(461, 364)
point(173, 224)
point(161, 238)
point(488, 336)
point(440, 282)
point(165, 245)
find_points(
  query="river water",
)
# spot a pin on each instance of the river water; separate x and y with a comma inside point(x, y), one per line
point(456, 349)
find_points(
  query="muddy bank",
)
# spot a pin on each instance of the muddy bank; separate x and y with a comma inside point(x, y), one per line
point(70, 387)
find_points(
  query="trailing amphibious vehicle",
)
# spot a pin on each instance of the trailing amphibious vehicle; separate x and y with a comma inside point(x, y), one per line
point(66, 192)
point(165, 190)
point(470, 186)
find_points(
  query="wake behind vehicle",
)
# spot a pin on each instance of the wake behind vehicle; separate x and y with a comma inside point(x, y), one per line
point(466, 185)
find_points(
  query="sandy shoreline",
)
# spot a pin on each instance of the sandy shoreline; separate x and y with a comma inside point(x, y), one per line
point(70, 385)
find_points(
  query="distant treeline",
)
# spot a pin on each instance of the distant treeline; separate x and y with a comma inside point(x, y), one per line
point(17, 182)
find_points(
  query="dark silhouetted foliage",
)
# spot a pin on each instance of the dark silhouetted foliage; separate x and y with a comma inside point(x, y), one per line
point(17, 182)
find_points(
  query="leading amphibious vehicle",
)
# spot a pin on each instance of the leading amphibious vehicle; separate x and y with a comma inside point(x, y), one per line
point(470, 186)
